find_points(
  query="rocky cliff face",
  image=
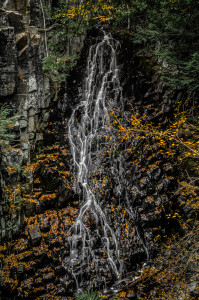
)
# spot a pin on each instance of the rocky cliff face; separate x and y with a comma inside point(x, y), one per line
point(23, 83)
point(25, 87)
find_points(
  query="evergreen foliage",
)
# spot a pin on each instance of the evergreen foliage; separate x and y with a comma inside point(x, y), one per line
point(92, 295)
point(59, 67)
point(72, 19)
point(88, 295)
point(165, 29)
point(6, 123)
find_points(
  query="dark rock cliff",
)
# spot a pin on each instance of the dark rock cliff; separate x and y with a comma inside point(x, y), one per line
point(23, 83)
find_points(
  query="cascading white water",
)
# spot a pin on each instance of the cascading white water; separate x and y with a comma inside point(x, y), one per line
point(5, 3)
point(87, 121)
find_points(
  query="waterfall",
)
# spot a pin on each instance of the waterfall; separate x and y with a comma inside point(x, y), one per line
point(5, 3)
point(88, 120)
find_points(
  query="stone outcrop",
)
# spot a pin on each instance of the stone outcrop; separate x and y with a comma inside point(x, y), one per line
point(23, 84)
point(21, 75)
point(25, 88)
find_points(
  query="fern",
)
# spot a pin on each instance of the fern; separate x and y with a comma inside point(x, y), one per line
point(92, 295)
point(87, 295)
point(114, 297)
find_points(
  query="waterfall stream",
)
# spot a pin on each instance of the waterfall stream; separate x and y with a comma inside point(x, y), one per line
point(5, 3)
point(88, 120)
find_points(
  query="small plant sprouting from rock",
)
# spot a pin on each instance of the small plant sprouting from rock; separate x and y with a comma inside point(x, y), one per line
point(92, 295)
point(88, 295)
point(6, 123)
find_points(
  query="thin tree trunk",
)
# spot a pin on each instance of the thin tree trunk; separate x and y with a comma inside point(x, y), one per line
point(129, 19)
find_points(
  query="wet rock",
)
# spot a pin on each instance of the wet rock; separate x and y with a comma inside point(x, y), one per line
point(40, 207)
point(193, 264)
point(60, 270)
point(131, 296)
point(160, 187)
point(21, 271)
point(194, 288)
point(169, 182)
point(60, 290)
point(168, 169)
point(41, 290)
point(44, 223)
point(143, 194)
point(64, 198)
point(27, 284)
point(35, 235)
point(24, 246)
point(25, 256)
point(157, 174)
point(50, 288)
point(30, 208)
point(48, 277)
point(53, 242)
point(40, 254)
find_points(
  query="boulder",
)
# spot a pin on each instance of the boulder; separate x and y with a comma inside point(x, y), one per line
point(35, 235)
point(21, 270)
point(30, 208)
